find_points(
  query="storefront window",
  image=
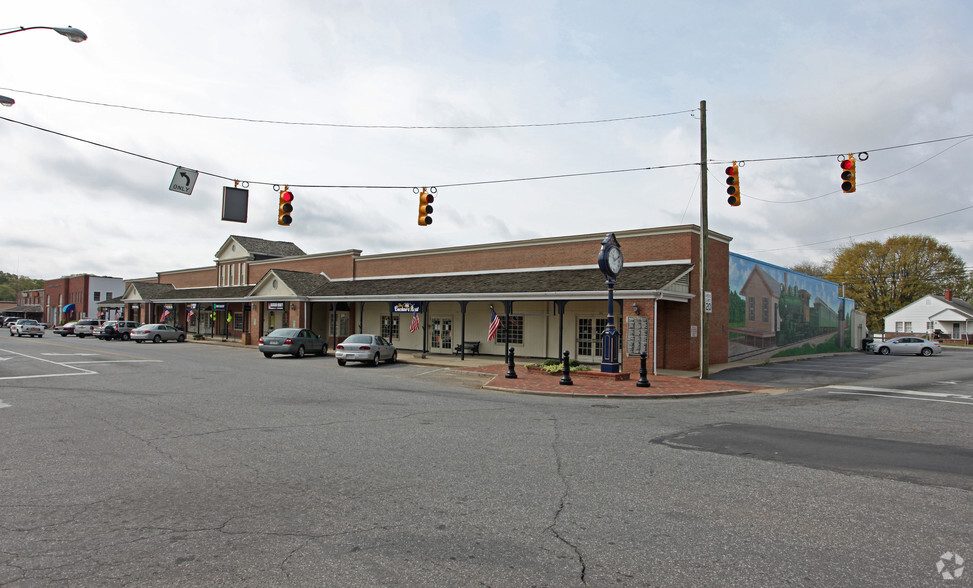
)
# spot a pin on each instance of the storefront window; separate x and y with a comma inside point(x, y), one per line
point(516, 330)
point(390, 326)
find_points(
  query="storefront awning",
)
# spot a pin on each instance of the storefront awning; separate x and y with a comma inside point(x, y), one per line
point(68, 308)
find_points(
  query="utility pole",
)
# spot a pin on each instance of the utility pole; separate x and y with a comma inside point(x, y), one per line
point(703, 247)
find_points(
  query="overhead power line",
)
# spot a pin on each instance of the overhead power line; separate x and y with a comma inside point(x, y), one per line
point(349, 125)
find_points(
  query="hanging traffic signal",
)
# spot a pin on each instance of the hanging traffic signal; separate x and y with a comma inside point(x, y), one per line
point(733, 184)
point(848, 174)
point(285, 207)
point(425, 208)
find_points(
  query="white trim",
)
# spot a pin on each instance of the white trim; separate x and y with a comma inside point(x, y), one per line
point(509, 271)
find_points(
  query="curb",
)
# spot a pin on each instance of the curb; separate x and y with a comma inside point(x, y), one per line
point(618, 396)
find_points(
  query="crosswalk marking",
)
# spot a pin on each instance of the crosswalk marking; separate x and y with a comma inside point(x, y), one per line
point(948, 397)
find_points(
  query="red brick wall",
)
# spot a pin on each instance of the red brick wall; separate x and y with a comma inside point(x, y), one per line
point(334, 267)
point(201, 278)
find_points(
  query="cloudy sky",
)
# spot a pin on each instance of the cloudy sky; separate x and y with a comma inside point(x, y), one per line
point(788, 86)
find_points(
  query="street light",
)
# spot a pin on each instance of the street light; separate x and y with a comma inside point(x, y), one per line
point(74, 35)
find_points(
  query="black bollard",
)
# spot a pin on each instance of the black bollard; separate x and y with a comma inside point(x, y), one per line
point(643, 381)
point(510, 364)
point(566, 378)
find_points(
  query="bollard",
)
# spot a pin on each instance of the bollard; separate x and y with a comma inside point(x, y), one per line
point(566, 378)
point(510, 364)
point(643, 382)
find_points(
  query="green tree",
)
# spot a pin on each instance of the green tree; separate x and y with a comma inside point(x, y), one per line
point(11, 284)
point(884, 277)
point(810, 268)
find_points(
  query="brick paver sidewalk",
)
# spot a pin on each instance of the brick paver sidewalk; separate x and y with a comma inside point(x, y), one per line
point(539, 382)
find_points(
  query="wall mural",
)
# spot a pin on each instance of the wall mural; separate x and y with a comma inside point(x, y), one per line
point(776, 312)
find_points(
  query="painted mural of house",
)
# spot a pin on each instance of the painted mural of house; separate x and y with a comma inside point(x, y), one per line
point(952, 316)
point(761, 292)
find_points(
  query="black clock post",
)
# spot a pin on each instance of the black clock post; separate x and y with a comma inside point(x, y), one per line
point(610, 264)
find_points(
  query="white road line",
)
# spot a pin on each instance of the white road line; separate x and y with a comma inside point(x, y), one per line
point(899, 397)
point(83, 371)
point(70, 363)
point(4, 405)
point(898, 391)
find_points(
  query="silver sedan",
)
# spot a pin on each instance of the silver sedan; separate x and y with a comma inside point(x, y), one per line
point(371, 349)
point(157, 333)
point(296, 342)
point(907, 346)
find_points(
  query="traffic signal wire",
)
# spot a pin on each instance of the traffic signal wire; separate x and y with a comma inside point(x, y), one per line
point(354, 126)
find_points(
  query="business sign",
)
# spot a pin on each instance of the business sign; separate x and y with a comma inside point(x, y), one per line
point(407, 307)
point(275, 306)
point(219, 306)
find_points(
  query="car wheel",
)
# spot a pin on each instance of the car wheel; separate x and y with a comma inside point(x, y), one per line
point(180, 338)
point(342, 362)
point(395, 357)
point(377, 359)
point(300, 352)
point(64, 334)
point(884, 350)
point(80, 335)
point(157, 339)
point(324, 351)
point(268, 355)
point(926, 352)
point(139, 341)
point(20, 334)
point(126, 336)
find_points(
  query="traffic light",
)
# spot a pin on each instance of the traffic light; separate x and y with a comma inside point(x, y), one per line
point(425, 208)
point(733, 184)
point(286, 208)
point(848, 174)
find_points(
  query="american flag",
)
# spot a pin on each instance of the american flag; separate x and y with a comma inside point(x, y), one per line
point(162, 318)
point(415, 322)
point(494, 325)
point(189, 314)
point(117, 313)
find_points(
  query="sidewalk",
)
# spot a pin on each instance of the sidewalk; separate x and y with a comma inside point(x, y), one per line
point(672, 384)
point(668, 384)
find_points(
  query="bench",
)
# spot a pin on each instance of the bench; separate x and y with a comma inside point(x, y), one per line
point(469, 346)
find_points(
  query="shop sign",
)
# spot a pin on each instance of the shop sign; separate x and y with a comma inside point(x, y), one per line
point(167, 306)
point(275, 306)
point(407, 307)
point(219, 306)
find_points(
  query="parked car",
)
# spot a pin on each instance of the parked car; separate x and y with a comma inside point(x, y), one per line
point(26, 327)
point(906, 346)
point(9, 321)
point(85, 327)
point(296, 342)
point(65, 329)
point(157, 333)
point(371, 349)
point(115, 330)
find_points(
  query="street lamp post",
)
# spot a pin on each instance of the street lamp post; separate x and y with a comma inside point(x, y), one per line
point(74, 35)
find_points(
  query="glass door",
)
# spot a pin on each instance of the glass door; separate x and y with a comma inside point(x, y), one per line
point(588, 344)
point(442, 334)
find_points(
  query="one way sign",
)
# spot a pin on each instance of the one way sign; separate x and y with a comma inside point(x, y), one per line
point(183, 181)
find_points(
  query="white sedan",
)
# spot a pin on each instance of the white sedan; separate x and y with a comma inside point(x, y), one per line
point(372, 349)
point(906, 346)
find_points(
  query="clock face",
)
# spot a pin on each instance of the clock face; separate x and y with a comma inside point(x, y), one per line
point(614, 260)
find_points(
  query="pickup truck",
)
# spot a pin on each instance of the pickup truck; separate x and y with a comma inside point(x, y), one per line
point(27, 327)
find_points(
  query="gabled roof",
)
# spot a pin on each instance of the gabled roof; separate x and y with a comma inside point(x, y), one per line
point(300, 283)
point(262, 248)
point(150, 291)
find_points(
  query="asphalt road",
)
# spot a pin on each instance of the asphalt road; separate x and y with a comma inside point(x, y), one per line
point(191, 465)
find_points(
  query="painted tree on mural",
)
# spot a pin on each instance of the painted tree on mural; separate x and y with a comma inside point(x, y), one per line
point(884, 277)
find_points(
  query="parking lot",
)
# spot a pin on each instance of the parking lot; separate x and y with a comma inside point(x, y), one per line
point(187, 464)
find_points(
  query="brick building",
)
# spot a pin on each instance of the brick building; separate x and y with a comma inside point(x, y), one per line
point(76, 296)
point(548, 292)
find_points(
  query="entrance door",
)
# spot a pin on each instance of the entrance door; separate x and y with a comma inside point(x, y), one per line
point(588, 344)
point(442, 334)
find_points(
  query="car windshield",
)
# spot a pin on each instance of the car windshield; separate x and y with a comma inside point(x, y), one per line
point(284, 333)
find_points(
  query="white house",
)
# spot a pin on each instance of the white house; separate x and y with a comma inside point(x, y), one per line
point(952, 316)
